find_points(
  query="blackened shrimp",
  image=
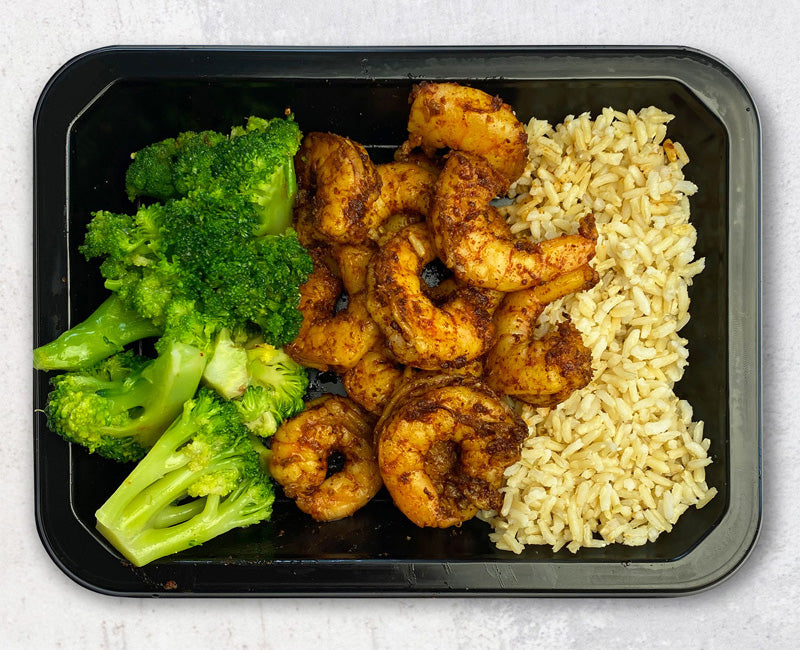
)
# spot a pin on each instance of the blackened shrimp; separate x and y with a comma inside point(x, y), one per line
point(406, 188)
point(540, 371)
point(352, 261)
point(336, 182)
point(329, 339)
point(449, 115)
point(303, 446)
point(374, 379)
point(473, 239)
point(443, 445)
point(420, 333)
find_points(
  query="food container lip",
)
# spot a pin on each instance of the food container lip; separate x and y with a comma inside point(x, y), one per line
point(733, 538)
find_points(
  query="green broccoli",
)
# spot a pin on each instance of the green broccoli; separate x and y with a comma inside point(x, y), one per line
point(194, 256)
point(111, 327)
point(254, 162)
point(201, 248)
point(121, 406)
point(264, 383)
point(185, 271)
point(202, 478)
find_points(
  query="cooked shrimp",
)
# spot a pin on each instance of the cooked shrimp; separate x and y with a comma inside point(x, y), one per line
point(352, 261)
point(328, 339)
point(544, 371)
point(336, 181)
point(443, 445)
point(301, 449)
point(374, 379)
point(406, 188)
point(393, 225)
point(408, 153)
point(473, 239)
point(467, 119)
point(419, 333)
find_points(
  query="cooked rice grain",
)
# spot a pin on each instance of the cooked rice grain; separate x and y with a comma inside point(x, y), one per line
point(621, 460)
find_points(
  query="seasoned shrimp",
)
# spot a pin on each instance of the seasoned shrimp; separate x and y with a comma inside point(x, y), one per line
point(393, 225)
point(544, 371)
point(409, 154)
point(420, 333)
point(448, 115)
point(443, 445)
point(301, 449)
point(406, 188)
point(328, 339)
point(473, 239)
point(336, 181)
point(374, 379)
point(352, 261)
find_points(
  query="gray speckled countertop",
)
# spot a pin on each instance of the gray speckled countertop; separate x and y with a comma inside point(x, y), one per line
point(42, 608)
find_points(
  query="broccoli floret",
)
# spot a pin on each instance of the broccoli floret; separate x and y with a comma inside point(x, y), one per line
point(152, 170)
point(258, 162)
point(202, 478)
point(264, 383)
point(201, 249)
point(184, 271)
point(111, 327)
point(119, 407)
point(254, 162)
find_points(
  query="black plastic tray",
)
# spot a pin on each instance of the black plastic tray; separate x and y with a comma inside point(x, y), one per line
point(104, 104)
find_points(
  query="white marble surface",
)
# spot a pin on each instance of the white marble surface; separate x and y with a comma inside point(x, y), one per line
point(42, 608)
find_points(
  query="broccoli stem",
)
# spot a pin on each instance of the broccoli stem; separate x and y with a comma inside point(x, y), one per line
point(111, 327)
point(149, 515)
point(275, 200)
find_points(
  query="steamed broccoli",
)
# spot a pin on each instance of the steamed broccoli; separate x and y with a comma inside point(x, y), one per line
point(254, 162)
point(264, 383)
point(194, 256)
point(201, 248)
point(111, 327)
point(202, 478)
point(121, 406)
point(185, 271)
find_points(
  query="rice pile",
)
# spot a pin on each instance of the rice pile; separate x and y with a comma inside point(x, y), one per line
point(622, 459)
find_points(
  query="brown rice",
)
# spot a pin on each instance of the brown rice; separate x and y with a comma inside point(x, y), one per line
point(622, 459)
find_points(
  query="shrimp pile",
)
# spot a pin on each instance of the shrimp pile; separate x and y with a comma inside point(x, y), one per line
point(427, 369)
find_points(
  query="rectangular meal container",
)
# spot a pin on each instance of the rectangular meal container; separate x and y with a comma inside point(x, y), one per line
point(104, 104)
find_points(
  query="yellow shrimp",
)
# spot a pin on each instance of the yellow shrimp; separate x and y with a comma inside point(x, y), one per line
point(547, 370)
point(336, 181)
point(406, 188)
point(301, 449)
point(328, 339)
point(473, 239)
point(352, 261)
point(374, 379)
point(449, 115)
point(443, 445)
point(420, 333)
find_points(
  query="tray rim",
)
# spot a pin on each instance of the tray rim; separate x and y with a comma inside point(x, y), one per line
point(605, 576)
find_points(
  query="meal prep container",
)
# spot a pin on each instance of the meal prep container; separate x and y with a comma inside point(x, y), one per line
point(105, 104)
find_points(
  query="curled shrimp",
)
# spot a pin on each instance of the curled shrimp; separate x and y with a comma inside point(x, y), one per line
point(302, 447)
point(405, 188)
point(352, 262)
point(474, 240)
point(374, 379)
point(377, 375)
point(443, 445)
point(394, 225)
point(329, 339)
point(449, 115)
point(540, 371)
point(336, 181)
point(420, 333)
